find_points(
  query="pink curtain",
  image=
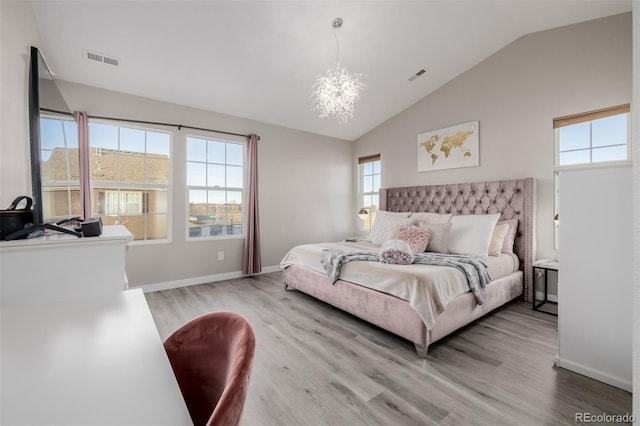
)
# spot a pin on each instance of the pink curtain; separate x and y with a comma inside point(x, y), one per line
point(83, 152)
point(252, 263)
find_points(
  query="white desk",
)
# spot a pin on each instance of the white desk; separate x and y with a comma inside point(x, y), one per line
point(62, 266)
point(87, 361)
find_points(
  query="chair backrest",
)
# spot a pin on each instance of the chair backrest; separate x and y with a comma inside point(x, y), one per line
point(212, 357)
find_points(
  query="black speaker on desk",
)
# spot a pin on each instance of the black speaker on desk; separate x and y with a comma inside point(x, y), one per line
point(92, 227)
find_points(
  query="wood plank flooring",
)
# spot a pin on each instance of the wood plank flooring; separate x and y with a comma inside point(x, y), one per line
point(316, 365)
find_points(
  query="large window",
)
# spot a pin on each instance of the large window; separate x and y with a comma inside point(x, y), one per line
point(60, 168)
point(215, 175)
point(130, 176)
point(592, 138)
point(369, 189)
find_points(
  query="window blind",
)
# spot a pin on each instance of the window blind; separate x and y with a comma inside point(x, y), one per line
point(588, 116)
point(369, 159)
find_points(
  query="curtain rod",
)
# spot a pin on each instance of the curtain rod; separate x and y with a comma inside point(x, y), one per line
point(179, 126)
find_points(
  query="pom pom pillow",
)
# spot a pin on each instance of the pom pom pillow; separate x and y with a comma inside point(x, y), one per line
point(396, 252)
point(417, 238)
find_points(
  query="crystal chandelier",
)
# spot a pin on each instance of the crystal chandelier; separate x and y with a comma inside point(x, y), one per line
point(335, 92)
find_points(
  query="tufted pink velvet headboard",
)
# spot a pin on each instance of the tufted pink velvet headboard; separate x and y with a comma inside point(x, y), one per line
point(513, 199)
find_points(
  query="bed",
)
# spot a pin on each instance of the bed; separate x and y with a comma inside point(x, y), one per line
point(508, 199)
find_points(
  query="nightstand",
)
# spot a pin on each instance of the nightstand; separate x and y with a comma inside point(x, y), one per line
point(541, 269)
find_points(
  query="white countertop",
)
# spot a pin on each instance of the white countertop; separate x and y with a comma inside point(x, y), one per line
point(87, 361)
point(547, 264)
point(109, 233)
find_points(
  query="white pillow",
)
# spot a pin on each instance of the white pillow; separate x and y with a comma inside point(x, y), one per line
point(384, 223)
point(471, 234)
point(429, 217)
point(497, 239)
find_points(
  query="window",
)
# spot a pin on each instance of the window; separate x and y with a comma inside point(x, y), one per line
point(215, 175)
point(592, 138)
point(369, 189)
point(129, 202)
point(60, 168)
point(130, 175)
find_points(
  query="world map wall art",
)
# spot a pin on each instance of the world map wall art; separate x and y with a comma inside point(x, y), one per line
point(449, 148)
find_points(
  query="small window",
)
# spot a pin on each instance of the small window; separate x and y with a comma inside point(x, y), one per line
point(215, 184)
point(368, 189)
point(592, 138)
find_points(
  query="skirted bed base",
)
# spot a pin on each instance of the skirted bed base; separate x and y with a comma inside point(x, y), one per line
point(513, 199)
point(396, 315)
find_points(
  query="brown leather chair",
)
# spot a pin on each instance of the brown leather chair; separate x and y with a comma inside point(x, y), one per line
point(212, 357)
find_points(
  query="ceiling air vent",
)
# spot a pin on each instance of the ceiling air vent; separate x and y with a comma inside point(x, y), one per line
point(416, 75)
point(93, 56)
point(110, 61)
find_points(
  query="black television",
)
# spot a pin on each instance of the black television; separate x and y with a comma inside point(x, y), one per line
point(34, 131)
point(44, 95)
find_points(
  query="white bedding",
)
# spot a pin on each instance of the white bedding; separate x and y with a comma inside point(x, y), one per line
point(427, 288)
point(503, 265)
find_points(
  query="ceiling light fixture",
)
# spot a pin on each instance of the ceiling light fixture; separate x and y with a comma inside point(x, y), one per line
point(335, 92)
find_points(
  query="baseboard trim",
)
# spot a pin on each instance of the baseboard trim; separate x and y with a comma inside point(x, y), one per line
point(596, 374)
point(168, 285)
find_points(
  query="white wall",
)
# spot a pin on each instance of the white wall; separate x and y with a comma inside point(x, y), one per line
point(595, 310)
point(17, 33)
point(515, 94)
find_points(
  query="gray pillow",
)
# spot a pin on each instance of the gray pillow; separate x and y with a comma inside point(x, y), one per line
point(439, 242)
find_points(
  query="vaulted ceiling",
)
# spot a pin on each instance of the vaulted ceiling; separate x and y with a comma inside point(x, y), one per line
point(259, 60)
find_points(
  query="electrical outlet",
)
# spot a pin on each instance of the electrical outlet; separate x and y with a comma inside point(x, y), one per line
point(220, 255)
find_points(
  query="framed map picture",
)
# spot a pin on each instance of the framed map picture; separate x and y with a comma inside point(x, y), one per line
point(449, 148)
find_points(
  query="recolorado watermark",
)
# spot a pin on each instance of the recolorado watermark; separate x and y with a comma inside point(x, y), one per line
point(604, 418)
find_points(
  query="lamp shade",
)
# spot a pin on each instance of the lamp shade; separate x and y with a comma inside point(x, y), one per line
point(363, 213)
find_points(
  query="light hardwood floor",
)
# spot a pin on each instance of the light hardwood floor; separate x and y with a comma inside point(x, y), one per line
point(316, 365)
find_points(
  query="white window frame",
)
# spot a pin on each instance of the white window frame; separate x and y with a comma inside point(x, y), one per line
point(556, 139)
point(243, 190)
point(362, 223)
point(135, 187)
point(68, 183)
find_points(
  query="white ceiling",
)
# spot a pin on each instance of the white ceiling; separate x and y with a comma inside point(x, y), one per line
point(258, 60)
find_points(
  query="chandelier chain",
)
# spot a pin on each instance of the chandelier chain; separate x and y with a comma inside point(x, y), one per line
point(335, 33)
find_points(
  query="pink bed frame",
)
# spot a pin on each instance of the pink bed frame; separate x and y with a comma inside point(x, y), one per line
point(513, 199)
